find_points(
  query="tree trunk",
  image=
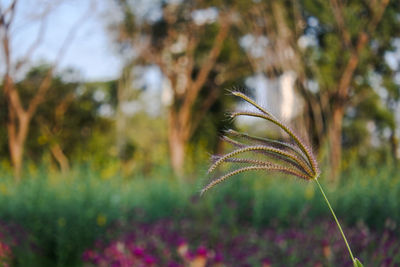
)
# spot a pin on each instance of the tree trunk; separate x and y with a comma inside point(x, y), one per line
point(17, 133)
point(177, 143)
point(335, 142)
point(177, 151)
point(16, 152)
point(60, 157)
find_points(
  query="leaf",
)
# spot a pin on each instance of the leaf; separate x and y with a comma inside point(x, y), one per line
point(357, 263)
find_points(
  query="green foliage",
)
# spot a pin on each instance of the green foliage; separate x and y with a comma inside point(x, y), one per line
point(171, 40)
point(148, 138)
point(372, 89)
point(69, 117)
point(66, 214)
point(83, 133)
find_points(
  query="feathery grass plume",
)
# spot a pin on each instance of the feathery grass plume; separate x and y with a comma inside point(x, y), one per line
point(294, 157)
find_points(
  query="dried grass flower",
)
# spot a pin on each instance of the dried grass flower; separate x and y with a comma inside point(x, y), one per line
point(294, 157)
point(252, 153)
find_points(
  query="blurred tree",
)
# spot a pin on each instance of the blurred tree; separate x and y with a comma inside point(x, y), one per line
point(21, 111)
point(353, 38)
point(189, 41)
point(269, 40)
point(70, 120)
point(336, 51)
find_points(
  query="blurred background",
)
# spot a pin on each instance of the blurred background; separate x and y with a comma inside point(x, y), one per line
point(110, 110)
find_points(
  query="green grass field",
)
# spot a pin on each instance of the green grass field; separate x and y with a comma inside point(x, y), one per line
point(51, 219)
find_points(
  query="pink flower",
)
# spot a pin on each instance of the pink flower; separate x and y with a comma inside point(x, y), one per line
point(138, 252)
point(201, 252)
point(149, 260)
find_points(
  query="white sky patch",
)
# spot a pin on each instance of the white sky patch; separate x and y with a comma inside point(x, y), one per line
point(180, 45)
point(255, 45)
point(99, 96)
point(130, 107)
point(313, 21)
point(288, 96)
point(205, 16)
point(147, 79)
point(392, 58)
point(306, 41)
point(153, 79)
point(351, 112)
point(397, 78)
point(313, 86)
point(277, 95)
point(374, 138)
point(90, 51)
point(387, 132)
point(106, 110)
point(147, 9)
point(155, 15)
point(375, 80)
point(259, 85)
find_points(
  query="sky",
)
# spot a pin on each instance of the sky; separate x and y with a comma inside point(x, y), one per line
point(91, 52)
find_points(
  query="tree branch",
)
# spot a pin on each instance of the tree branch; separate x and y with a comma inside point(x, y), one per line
point(206, 105)
point(10, 9)
point(193, 42)
point(34, 45)
point(338, 14)
point(352, 64)
point(207, 66)
point(45, 85)
point(13, 96)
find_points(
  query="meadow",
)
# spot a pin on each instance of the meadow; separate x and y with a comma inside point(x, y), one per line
point(97, 218)
point(109, 111)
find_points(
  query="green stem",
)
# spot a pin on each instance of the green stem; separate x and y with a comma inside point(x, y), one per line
point(337, 221)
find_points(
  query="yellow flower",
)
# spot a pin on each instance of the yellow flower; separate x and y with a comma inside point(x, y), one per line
point(101, 219)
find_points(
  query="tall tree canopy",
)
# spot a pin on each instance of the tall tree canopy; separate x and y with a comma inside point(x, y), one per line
point(191, 43)
point(339, 51)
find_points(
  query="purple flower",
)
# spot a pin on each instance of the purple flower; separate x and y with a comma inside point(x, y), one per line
point(218, 258)
point(201, 252)
point(149, 260)
point(138, 252)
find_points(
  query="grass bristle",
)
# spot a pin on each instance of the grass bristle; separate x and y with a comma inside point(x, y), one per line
point(294, 158)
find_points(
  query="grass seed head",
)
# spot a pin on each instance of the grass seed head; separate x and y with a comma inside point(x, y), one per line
point(294, 157)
